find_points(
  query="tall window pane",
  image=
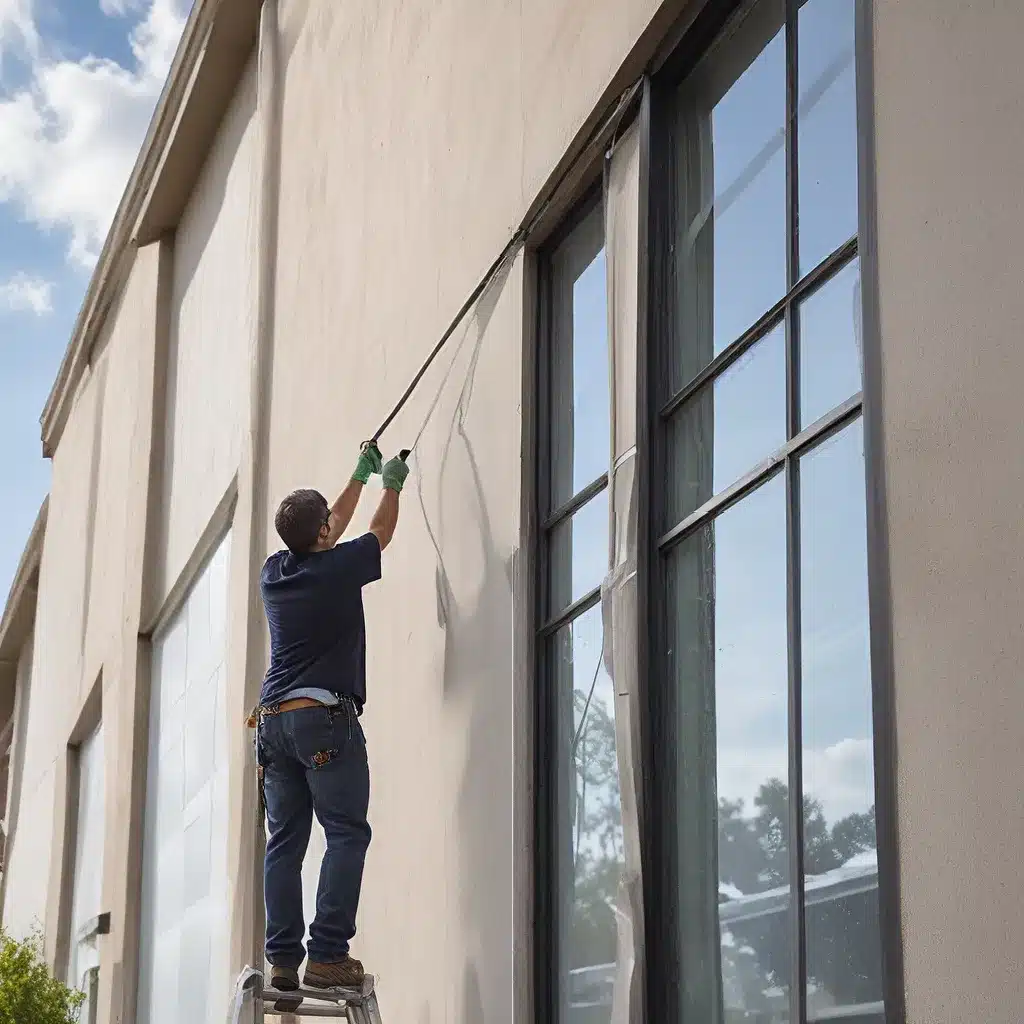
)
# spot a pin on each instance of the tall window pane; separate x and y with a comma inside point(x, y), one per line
point(730, 191)
point(589, 821)
point(183, 914)
point(763, 669)
point(840, 862)
point(827, 133)
point(578, 374)
point(830, 345)
point(578, 554)
point(87, 883)
point(728, 426)
point(726, 589)
point(580, 763)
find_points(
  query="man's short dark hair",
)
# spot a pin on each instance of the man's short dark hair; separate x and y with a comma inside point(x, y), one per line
point(299, 518)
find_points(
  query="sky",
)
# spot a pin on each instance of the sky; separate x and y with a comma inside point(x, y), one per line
point(78, 83)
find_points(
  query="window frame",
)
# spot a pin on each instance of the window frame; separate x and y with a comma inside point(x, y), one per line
point(544, 626)
point(699, 33)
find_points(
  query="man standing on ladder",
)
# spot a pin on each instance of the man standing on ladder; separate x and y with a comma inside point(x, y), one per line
point(310, 747)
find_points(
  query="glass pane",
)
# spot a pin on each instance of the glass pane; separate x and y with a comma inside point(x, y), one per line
point(830, 345)
point(730, 192)
point(841, 868)
point(827, 129)
point(727, 657)
point(728, 427)
point(579, 396)
point(578, 554)
point(588, 823)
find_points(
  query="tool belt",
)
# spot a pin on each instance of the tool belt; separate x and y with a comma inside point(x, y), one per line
point(345, 703)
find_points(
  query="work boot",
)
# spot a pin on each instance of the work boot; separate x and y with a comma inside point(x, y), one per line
point(347, 973)
point(285, 979)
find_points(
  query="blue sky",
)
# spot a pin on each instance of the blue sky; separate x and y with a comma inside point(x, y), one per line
point(78, 83)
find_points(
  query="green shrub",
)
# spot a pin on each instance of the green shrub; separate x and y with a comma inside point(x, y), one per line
point(29, 994)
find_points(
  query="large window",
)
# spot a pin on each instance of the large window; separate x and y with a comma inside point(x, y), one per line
point(87, 871)
point(578, 771)
point(184, 914)
point(762, 744)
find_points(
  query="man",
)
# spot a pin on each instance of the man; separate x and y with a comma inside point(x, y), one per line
point(309, 744)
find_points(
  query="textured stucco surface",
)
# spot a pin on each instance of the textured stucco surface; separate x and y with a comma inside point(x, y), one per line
point(950, 154)
point(19, 913)
point(211, 316)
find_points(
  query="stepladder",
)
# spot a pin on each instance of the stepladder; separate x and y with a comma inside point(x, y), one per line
point(253, 1004)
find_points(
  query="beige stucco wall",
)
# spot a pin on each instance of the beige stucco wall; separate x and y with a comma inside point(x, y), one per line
point(950, 152)
point(444, 126)
point(57, 667)
point(99, 491)
point(413, 144)
point(211, 321)
point(23, 840)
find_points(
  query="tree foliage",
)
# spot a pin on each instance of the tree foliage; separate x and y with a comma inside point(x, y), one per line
point(29, 994)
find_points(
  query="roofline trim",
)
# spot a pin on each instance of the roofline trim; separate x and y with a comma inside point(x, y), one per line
point(18, 614)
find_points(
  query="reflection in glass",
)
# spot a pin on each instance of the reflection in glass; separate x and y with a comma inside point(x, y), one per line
point(728, 427)
point(727, 658)
point(578, 553)
point(589, 822)
point(580, 428)
point(830, 345)
point(827, 129)
point(730, 182)
point(841, 869)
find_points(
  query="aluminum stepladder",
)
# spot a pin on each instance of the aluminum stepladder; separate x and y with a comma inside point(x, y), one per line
point(252, 1003)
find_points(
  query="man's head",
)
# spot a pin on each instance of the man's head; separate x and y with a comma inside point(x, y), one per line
point(302, 521)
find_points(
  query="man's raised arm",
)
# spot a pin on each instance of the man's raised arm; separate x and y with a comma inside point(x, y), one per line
point(385, 519)
point(345, 506)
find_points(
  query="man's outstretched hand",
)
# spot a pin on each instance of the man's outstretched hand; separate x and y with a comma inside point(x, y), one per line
point(394, 473)
point(368, 464)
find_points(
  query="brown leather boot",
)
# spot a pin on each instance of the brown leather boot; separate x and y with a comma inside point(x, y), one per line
point(285, 979)
point(347, 973)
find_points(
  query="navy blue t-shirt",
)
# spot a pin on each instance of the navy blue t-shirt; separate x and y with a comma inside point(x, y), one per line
point(314, 606)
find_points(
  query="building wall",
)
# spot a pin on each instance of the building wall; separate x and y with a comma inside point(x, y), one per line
point(18, 854)
point(211, 322)
point(446, 132)
point(949, 109)
point(413, 143)
point(57, 664)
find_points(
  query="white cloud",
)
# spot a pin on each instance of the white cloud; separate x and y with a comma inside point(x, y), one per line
point(17, 28)
point(25, 293)
point(840, 776)
point(69, 139)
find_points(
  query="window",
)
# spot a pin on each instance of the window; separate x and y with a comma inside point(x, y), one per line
point(87, 921)
point(761, 683)
point(184, 912)
point(580, 813)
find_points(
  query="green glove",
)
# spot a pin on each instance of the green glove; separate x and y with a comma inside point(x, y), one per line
point(395, 471)
point(369, 462)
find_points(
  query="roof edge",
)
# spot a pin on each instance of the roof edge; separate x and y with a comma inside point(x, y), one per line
point(115, 256)
point(19, 611)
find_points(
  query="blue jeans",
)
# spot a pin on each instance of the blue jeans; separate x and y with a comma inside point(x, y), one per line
point(314, 762)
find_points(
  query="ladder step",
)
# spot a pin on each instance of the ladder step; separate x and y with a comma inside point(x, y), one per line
point(306, 1010)
point(354, 996)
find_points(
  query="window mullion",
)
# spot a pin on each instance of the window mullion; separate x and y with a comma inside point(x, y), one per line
point(798, 973)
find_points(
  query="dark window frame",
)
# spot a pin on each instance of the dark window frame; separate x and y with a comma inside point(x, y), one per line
point(545, 746)
point(654, 412)
point(686, 43)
